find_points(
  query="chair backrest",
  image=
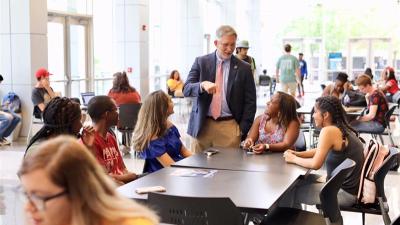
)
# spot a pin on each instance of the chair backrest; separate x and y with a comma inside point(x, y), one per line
point(194, 210)
point(170, 93)
point(128, 115)
point(388, 114)
point(396, 221)
point(380, 174)
point(264, 80)
point(86, 96)
point(328, 194)
point(300, 144)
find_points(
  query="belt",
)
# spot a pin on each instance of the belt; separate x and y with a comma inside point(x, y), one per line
point(221, 118)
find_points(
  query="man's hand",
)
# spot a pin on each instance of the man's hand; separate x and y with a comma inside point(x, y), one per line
point(209, 87)
point(88, 134)
point(45, 83)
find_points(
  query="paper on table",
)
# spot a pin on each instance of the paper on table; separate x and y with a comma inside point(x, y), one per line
point(193, 173)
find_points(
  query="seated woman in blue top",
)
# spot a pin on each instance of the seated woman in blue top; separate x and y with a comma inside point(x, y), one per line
point(155, 137)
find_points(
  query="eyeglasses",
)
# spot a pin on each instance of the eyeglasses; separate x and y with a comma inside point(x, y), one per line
point(38, 201)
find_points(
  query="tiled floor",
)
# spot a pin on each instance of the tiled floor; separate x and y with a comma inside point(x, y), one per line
point(10, 158)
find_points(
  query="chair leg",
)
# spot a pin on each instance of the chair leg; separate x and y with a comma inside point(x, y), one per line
point(390, 137)
point(363, 218)
point(381, 138)
point(386, 218)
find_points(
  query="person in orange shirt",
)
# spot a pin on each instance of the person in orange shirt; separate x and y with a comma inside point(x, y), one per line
point(122, 92)
point(175, 84)
point(62, 183)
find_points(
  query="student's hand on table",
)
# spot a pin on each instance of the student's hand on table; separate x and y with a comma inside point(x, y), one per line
point(258, 148)
point(291, 151)
point(248, 143)
point(209, 87)
point(88, 136)
point(116, 179)
point(289, 156)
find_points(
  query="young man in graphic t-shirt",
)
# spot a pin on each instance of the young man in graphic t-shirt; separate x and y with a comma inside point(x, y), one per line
point(104, 114)
point(287, 71)
point(42, 93)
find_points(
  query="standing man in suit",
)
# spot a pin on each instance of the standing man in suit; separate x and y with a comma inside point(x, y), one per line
point(225, 95)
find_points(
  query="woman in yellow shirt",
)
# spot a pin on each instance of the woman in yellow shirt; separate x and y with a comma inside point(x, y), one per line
point(175, 84)
point(63, 184)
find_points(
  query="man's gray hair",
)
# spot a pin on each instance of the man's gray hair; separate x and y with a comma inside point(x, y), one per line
point(225, 30)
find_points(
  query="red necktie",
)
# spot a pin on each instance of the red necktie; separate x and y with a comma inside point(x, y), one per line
point(217, 97)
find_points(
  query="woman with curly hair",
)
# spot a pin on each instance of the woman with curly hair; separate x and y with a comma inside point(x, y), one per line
point(277, 129)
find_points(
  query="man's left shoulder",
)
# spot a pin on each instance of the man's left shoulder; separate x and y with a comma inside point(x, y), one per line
point(240, 64)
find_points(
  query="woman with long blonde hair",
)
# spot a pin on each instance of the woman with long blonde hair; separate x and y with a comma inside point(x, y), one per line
point(64, 184)
point(155, 137)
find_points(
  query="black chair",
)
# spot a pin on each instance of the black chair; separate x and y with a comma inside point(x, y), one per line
point(195, 210)
point(380, 207)
point(300, 144)
point(329, 203)
point(170, 93)
point(309, 126)
point(128, 115)
point(388, 130)
point(396, 221)
point(264, 80)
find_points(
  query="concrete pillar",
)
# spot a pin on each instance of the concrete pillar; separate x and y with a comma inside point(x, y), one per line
point(131, 41)
point(23, 49)
point(193, 32)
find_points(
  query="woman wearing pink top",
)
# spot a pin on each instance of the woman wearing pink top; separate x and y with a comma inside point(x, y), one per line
point(277, 129)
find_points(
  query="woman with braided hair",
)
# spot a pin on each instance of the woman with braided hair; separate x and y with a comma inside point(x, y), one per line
point(337, 142)
point(61, 116)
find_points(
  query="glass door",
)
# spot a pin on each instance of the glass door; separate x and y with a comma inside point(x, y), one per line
point(56, 54)
point(78, 55)
point(69, 55)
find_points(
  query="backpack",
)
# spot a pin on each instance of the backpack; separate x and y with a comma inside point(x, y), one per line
point(11, 102)
point(374, 155)
point(354, 98)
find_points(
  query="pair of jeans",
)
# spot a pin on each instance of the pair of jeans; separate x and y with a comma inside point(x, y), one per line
point(8, 122)
point(367, 126)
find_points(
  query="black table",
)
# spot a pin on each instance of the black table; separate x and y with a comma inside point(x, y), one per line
point(253, 192)
point(239, 160)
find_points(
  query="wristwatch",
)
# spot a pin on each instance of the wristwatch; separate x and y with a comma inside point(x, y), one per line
point(266, 146)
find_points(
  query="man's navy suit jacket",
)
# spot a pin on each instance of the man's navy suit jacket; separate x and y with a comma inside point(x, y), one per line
point(240, 94)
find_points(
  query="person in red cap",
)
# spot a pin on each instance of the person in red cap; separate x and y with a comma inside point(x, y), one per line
point(42, 93)
point(389, 83)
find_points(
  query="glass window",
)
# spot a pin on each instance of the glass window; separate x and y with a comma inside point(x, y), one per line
point(56, 52)
point(71, 6)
